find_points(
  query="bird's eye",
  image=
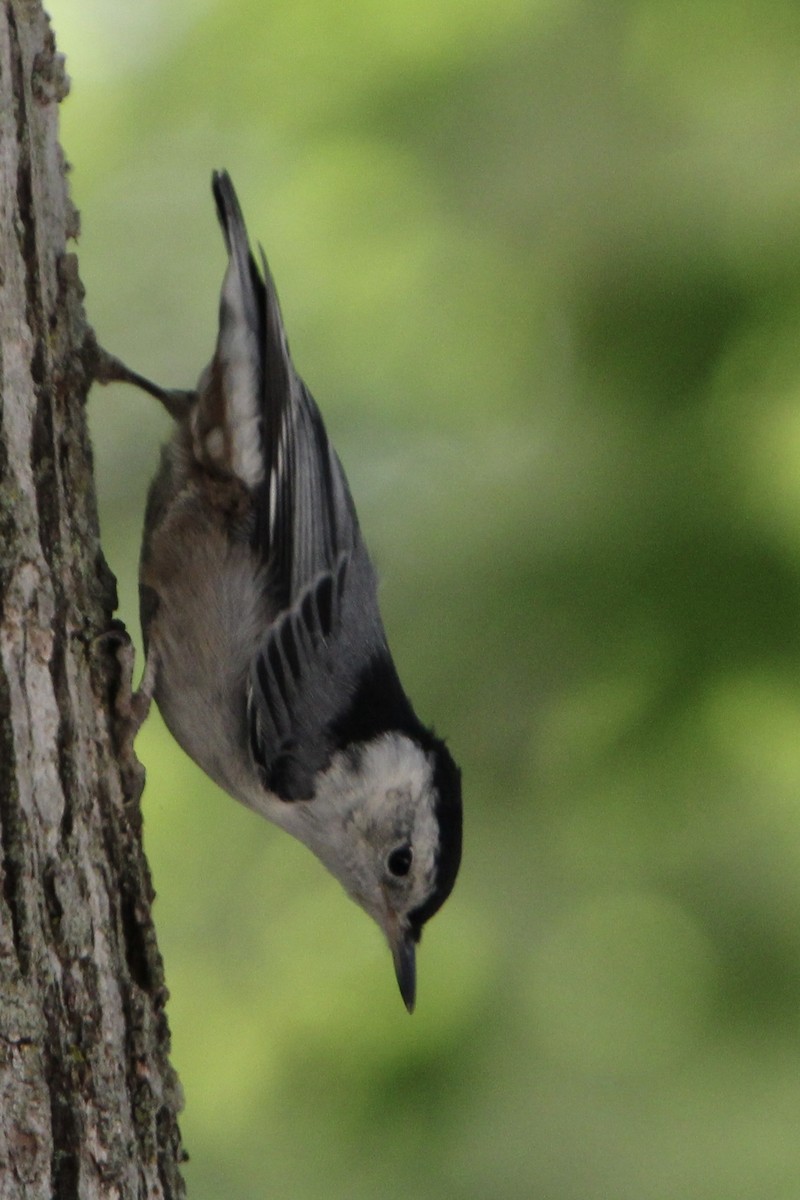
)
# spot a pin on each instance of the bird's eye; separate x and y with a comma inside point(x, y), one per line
point(399, 861)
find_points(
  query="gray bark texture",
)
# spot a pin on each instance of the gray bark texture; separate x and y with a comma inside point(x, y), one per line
point(88, 1100)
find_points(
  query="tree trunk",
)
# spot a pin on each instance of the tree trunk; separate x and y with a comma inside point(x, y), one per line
point(88, 1101)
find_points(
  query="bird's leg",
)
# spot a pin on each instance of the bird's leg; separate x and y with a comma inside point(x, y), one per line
point(107, 368)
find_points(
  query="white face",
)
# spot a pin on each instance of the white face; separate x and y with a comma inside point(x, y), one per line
point(372, 824)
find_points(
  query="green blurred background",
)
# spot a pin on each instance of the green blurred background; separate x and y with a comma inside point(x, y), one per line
point(540, 264)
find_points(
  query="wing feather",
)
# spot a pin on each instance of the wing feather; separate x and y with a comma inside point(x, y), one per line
point(319, 579)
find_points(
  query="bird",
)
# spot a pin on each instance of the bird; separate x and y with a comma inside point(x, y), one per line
point(265, 650)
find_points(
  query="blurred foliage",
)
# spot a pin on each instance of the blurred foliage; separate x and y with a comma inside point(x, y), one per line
point(540, 263)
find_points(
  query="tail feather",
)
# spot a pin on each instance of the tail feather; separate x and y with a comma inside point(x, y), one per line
point(274, 436)
point(238, 367)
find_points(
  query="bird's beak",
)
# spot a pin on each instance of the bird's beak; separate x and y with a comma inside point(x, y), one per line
point(403, 950)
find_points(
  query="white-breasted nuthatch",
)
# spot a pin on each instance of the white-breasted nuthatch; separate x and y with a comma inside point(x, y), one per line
point(265, 649)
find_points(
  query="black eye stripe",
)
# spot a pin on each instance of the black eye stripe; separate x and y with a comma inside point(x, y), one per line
point(399, 861)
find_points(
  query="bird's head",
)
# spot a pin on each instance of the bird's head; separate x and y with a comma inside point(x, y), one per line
point(386, 821)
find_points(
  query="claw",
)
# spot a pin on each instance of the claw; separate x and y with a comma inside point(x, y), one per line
point(130, 707)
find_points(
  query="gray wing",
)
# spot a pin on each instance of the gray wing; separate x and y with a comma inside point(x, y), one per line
point(309, 675)
point(307, 518)
point(318, 575)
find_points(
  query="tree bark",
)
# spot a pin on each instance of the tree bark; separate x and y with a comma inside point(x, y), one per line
point(88, 1101)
